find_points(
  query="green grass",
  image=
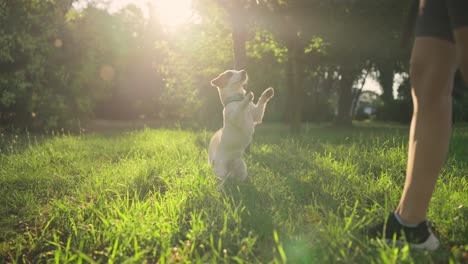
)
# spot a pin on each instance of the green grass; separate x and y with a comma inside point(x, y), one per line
point(150, 196)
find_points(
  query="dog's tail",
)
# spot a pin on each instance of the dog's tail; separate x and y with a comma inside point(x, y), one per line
point(214, 143)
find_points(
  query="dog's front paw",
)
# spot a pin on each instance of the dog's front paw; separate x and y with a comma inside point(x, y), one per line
point(268, 93)
point(250, 96)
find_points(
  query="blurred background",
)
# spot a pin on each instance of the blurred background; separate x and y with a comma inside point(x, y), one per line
point(68, 63)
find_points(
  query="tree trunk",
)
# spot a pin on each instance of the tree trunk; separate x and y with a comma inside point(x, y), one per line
point(239, 33)
point(345, 99)
point(358, 95)
point(239, 23)
point(295, 77)
point(298, 95)
point(290, 89)
point(386, 75)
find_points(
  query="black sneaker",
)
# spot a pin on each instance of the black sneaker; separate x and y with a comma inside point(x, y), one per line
point(420, 237)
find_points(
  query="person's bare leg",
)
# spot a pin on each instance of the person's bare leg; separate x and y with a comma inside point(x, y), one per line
point(433, 64)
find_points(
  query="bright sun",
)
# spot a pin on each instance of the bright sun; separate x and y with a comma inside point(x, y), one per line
point(172, 13)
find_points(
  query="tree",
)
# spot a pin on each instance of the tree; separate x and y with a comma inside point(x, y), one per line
point(362, 32)
point(239, 15)
point(290, 21)
point(29, 36)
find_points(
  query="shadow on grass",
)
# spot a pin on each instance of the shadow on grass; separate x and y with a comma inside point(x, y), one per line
point(258, 217)
point(146, 183)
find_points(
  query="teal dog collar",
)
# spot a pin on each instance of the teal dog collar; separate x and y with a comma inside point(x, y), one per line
point(234, 98)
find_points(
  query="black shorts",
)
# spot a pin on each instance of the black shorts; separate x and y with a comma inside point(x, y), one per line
point(440, 17)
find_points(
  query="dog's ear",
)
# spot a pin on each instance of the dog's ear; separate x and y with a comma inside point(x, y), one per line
point(222, 79)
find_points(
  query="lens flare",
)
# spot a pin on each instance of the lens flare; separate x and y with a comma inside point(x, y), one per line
point(107, 73)
point(58, 43)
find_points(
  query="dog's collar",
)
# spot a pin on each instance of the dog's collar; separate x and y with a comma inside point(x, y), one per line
point(234, 98)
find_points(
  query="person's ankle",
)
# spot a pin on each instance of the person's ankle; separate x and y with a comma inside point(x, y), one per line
point(406, 220)
point(402, 222)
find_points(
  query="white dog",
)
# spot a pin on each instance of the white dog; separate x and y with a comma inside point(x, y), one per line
point(240, 115)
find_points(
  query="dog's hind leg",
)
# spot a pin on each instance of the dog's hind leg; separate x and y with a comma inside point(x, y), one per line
point(213, 148)
point(239, 169)
point(221, 171)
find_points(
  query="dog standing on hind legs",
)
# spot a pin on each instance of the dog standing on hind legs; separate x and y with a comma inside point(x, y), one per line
point(240, 115)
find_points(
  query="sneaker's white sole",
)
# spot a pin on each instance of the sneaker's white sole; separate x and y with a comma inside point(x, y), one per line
point(431, 244)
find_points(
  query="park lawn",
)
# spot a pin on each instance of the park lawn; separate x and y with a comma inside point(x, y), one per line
point(150, 196)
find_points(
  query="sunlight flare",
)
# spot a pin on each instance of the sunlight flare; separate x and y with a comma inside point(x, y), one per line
point(173, 13)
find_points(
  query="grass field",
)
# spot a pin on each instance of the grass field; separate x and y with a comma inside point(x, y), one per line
point(150, 196)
